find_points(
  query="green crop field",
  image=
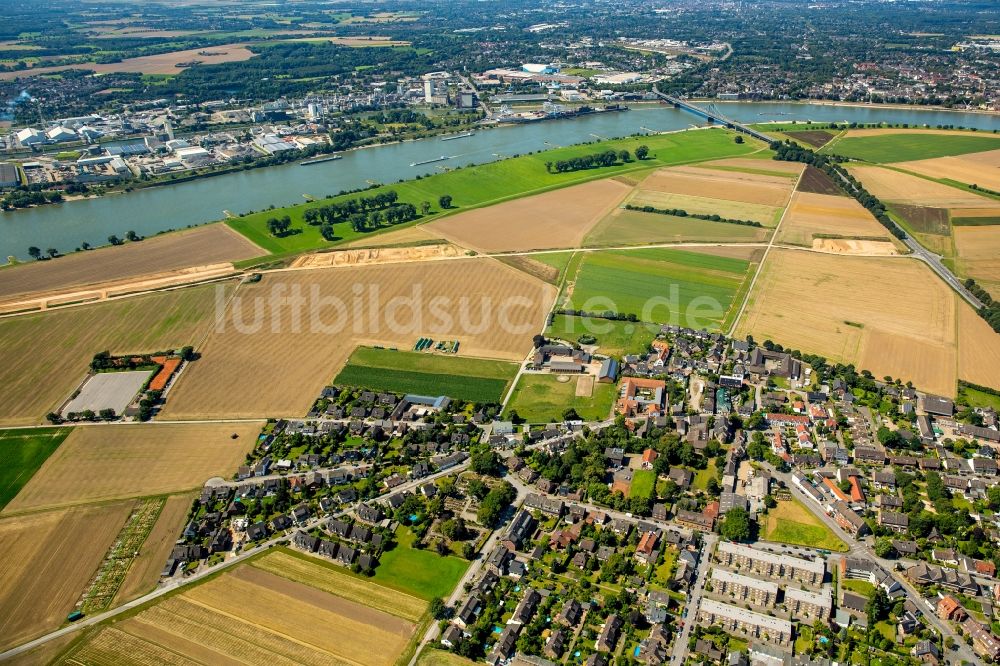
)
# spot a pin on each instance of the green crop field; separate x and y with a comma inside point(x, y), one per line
point(23, 452)
point(461, 378)
point(883, 148)
point(633, 227)
point(422, 573)
point(614, 338)
point(975, 221)
point(691, 289)
point(541, 398)
point(643, 482)
point(476, 186)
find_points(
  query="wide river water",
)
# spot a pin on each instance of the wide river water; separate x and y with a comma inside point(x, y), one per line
point(68, 225)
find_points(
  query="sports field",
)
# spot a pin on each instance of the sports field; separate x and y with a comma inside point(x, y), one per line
point(542, 398)
point(812, 216)
point(476, 380)
point(835, 306)
point(491, 309)
point(48, 560)
point(614, 338)
point(110, 462)
point(631, 227)
point(496, 182)
point(890, 145)
point(659, 285)
point(44, 356)
point(252, 616)
point(23, 452)
point(792, 523)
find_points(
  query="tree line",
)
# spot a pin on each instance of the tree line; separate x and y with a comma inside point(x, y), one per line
point(991, 308)
point(680, 212)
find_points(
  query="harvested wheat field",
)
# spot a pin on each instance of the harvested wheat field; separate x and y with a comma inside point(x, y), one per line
point(388, 255)
point(251, 616)
point(894, 186)
point(161, 63)
point(864, 248)
point(811, 215)
point(836, 306)
point(210, 244)
point(145, 570)
point(553, 220)
point(45, 356)
point(737, 174)
point(48, 560)
point(977, 251)
point(100, 463)
point(415, 235)
point(632, 227)
point(790, 169)
point(262, 360)
point(734, 210)
point(982, 169)
point(979, 349)
point(744, 187)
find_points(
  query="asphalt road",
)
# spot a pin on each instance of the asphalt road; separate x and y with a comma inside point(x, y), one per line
point(680, 649)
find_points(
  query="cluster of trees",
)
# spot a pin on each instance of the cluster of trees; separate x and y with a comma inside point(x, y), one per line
point(364, 213)
point(610, 315)
point(991, 308)
point(279, 226)
point(592, 161)
point(830, 164)
point(26, 198)
point(492, 507)
point(680, 212)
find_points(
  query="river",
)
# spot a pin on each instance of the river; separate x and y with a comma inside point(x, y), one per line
point(148, 211)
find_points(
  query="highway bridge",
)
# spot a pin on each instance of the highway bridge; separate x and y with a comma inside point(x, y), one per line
point(712, 116)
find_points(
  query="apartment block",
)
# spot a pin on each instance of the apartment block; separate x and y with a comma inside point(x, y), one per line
point(752, 625)
point(744, 588)
point(761, 563)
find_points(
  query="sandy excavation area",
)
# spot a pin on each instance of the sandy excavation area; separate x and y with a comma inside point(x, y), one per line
point(863, 248)
point(263, 360)
point(386, 255)
point(982, 169)
point(895, 186)
point(811, 215)
point(837, 307)
point(549, 221)
point(201, 246)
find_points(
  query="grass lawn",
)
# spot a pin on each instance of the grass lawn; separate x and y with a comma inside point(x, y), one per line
point(660, 285)
point(887, 630)
point(476, 186)
point(976, 398)
point(434, 657)
point(422, 573)
point(473, 379)
point(665, 572)
point(792, 523)
point(541, 398)
point(804, 639)
point(614, 338)
point(23, 452)
point(703, 476)
point(643, 483)
point(914, 146)
point(862, 587)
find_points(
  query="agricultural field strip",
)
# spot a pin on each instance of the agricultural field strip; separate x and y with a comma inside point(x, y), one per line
point(760, 266)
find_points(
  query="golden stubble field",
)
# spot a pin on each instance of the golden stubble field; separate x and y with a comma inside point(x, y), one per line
point(982, 169)
point(44, 356)
point(838, 307)
point(110, 462)
point(48, 559)
point(895, 186)
point(209, 244)
point(810, 215)
point(977, 251)
point(253, 616)
point(264, 361)
point(552, 220)
point(742, 186)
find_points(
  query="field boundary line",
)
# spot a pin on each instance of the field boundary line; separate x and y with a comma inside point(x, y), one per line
point(763, 260)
